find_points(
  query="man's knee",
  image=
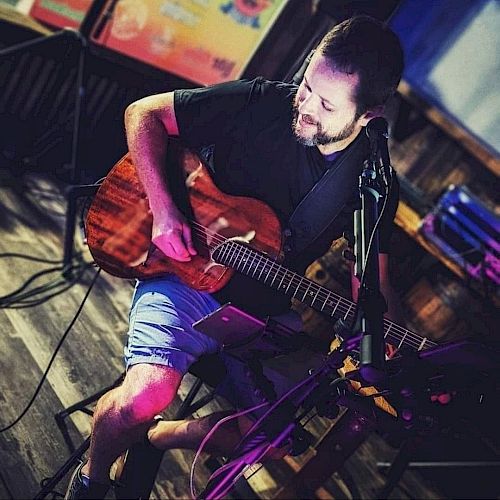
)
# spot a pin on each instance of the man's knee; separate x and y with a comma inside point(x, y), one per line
point(146, 391)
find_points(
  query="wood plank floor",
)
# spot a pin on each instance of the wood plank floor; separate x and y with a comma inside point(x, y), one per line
point(32, 216)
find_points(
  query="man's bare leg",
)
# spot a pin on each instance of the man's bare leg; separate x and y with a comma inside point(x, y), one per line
point(189, 434)
point(123, 415)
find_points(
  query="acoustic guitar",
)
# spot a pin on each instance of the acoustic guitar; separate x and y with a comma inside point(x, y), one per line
point(231, 234)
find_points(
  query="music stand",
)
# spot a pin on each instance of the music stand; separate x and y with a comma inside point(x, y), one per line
point(80, 38)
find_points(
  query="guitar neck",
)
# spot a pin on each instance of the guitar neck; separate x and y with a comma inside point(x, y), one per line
point(260, 267)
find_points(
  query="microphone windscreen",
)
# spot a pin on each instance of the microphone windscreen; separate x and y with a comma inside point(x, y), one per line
point(376, 127)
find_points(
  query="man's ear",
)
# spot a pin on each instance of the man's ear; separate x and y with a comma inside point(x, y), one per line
point(371, 113)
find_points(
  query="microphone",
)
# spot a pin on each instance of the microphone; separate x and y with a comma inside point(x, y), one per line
point(377, 132)
point(377, 127)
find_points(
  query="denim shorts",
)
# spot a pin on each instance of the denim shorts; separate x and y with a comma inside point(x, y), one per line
point(160, 332)
point(160, 324)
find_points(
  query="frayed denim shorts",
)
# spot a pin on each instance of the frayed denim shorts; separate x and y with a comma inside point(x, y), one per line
point(160, 324)
point(160, 332)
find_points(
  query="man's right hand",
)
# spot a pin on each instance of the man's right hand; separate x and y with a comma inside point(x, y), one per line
point(172, 234)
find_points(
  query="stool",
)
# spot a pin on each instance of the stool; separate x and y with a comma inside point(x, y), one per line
point(208, 369)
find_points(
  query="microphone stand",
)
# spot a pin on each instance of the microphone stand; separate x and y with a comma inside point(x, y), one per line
point(373, 185)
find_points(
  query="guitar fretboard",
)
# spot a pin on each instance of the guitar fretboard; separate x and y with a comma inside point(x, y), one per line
point(256, 265)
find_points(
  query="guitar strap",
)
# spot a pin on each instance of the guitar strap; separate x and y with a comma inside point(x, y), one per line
point(326, 199)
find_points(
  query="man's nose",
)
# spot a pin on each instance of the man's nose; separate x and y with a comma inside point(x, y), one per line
point(307, 106)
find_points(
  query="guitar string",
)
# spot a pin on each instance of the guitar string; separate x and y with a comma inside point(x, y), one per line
point(412, 339)
point(398, 332)
point(397, 336)
point(321, 293)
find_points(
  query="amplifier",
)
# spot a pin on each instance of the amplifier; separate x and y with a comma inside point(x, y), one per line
point(467, 232)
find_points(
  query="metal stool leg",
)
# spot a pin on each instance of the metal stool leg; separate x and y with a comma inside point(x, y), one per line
point(61, 416)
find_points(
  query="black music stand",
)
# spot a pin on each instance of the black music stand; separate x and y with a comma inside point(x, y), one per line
point(80, 38)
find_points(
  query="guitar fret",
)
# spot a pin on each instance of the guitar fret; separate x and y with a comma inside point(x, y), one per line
point(256, 266)
point(225, 250)
point(298, 286)
point(305, 293)
point(289, 283)
point(421, 346)
point(268, 272)
point(324, 303)
point(255, 263)
point(282, 278)
point(388, 330)
point(229, 254)
point(250, 261)
point(330, 303)
point(335, 308)
point(275, 274)
point(315, 297)
point(240, 260)
point(402, 339)
point(263, 266)
point(234, 259)
point(237, 257)
point(348, 311)
point(243, 260)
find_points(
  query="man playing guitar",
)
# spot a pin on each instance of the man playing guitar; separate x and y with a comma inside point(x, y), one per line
point(270, 141)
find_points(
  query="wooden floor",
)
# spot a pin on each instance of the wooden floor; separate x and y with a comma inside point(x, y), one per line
point(32, 217)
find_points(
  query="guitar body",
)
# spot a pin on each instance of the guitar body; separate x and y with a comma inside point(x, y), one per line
point(119, 223)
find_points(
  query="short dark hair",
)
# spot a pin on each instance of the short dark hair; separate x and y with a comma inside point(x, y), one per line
point(368, 47)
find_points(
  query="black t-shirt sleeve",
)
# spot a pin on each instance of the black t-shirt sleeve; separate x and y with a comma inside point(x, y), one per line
point(387, 222)
point(207, 115)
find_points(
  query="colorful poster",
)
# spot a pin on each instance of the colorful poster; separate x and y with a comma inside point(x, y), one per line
point(60, 13)
point(204, 41)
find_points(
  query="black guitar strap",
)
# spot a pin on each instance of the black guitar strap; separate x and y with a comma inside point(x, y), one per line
point(327, 197)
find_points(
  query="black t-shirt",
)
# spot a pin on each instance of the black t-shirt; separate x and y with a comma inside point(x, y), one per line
point(244, 130)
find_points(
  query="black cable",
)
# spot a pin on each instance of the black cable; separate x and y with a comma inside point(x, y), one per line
point(45, 286)
point(17, 296)
point(29, 257)
point(54, 354)
point(30, 280)
point(24, 302)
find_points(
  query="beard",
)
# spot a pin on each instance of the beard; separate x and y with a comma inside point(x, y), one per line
point(322, 138)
